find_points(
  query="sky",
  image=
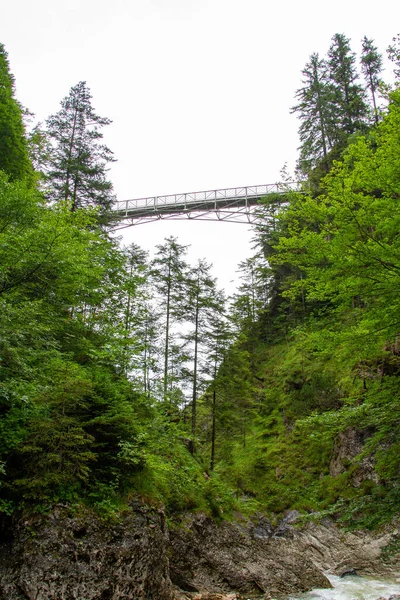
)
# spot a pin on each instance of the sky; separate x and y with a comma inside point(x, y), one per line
point(199, 91)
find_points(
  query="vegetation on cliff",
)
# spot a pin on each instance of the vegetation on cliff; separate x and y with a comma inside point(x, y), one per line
point(124, 375)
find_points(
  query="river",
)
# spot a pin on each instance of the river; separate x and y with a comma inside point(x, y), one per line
point(353, 588)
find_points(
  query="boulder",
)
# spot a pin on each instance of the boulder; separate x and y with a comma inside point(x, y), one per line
point(244, 559)
point(62, 556)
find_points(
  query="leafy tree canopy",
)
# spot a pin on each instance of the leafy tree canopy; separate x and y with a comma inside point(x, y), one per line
point(14, 158)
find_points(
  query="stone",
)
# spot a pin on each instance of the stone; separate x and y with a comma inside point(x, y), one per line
point(348, 572)
point(230, 558)
point(348, 445)
point(65, 557)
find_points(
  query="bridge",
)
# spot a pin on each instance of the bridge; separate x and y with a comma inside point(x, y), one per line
point(234, 205)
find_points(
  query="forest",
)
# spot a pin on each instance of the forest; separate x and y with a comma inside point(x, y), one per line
point(124, 375)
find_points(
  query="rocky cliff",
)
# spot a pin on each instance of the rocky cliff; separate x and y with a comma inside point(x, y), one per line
point(66, 556)
point(62, 556)
point(240, 557)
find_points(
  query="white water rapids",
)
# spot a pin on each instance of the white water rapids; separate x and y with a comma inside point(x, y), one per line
point(353, 588)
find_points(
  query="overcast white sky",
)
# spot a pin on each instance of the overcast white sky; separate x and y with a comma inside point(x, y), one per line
point(199, 91)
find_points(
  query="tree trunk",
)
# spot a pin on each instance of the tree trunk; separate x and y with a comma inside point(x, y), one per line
point(166, 350)
point(196, 341)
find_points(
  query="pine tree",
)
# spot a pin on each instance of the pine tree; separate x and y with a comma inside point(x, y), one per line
point(169, 275)
point(148, 332)
point(78, 165)
point(253, 292)
point(393, 53)
point(14, 157)
point(349, 96)
point(39, 148)
point(203, 301)
point(134, 307)
point(219, 338)
point(316, 112)
point(371, 67)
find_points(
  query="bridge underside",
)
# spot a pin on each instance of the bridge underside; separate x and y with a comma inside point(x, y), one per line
point(233, 205)
point(238, 211)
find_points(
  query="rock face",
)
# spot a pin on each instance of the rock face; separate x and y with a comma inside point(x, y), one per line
point(208, 558)
point(258, 559)
point(337, 552)
point(62, 557)
point(348, 445)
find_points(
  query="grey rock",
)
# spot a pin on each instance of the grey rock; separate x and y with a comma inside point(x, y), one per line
point(348, 445)
point(334, 550)
point(63, 557)
point(228, 558)
point(348, 572)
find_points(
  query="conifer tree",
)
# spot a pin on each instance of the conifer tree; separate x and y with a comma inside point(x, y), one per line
point(371, 67)
point(148, 332)
point(253, 292)
point(393, 53)
point(169, 275)
point(204, 301)
point(39, 148)
point(78, 165)
point(316, 113)
point(14, 157)
point(134, 307)
point(349, 96)
point(218, 339)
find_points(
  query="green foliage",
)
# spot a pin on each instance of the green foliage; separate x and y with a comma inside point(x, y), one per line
point(379, 505)
point(173, 476)
point(333, 365)
point(371, 67)
point(92, 395)
point(78, 162)
point(203, 303)
point(393, 53)
point(348, 94)
point(14, 157)
point(318, 130)
point(70, 422)
point(351, 233)
point(169, 275)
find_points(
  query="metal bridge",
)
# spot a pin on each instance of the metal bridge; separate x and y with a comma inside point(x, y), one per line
point(234, 205)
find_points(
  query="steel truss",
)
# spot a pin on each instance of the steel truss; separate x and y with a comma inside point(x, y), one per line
point(233, 205)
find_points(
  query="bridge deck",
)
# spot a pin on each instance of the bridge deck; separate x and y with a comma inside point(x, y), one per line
point(222, 202)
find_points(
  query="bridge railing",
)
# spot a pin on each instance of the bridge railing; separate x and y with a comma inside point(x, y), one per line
point(190, 199)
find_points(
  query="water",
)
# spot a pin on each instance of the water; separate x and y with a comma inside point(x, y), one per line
point(353, 588)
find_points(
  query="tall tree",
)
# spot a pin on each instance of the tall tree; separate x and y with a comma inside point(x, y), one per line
point(253, 293)
point(346, 241)
point(349, 96)
point(393, 53)
point(219, 338)
point(203, 301)
point(169, 275)
point(148, 332)
point(371, 67)
point(316, 112)
point(14, 157)
point(78, 165)
point(134, 304)
point(39, 148)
